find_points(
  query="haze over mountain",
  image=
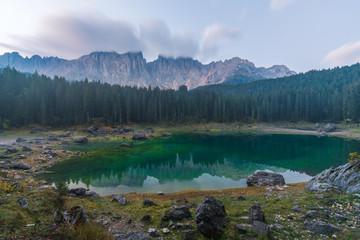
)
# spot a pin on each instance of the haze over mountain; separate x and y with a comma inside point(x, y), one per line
point(132, 69)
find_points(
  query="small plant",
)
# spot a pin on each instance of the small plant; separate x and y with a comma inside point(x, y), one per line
point(62, 188)
point(6, 187)
point(354, 158)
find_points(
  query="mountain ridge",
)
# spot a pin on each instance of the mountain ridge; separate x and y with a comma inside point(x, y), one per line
point(131, 69)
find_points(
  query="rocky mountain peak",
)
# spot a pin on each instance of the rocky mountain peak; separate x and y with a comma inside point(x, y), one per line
point(131, 69)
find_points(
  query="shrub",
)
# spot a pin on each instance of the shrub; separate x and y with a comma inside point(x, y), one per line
point(6, 187)
point(354, 158)
point(62, 188)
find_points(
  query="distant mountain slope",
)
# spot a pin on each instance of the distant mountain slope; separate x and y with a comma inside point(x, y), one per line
point(132, 69)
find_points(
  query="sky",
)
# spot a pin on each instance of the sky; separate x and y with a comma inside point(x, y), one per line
point(301, 34)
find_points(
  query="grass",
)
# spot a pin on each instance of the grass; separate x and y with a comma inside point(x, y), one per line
point(36, 220)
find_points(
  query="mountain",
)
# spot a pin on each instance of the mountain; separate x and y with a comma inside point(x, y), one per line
point(132, 69)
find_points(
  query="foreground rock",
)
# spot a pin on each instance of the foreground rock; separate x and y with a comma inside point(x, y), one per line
point(119, 198)
point(260, 228)
point(211, 217)
point(265, 179)
point(256, 214)
point(78, 191)
point(344, 178)
point(321, 227)
point(132, 235)
point(74, 217)
point(177, 213)
point(139, 136)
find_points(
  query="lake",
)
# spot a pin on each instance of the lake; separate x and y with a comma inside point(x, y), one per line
point(198, 162)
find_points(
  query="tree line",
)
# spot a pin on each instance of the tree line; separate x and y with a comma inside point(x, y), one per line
point(327, 95)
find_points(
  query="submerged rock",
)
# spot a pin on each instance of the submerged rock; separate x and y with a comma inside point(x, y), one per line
point(211, 217)
point(344, 178)
point(265, 179)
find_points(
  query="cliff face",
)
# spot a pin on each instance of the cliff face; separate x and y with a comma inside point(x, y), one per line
point(132, 69)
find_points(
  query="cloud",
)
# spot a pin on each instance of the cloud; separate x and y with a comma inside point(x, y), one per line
point(347, 54)
point(68, 36)
point(213, 36)
point(279, 4)
point(158, 39)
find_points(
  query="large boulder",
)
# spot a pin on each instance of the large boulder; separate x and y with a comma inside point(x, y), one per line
point(211, 217)
point(177, 213)
point(344, 178)
point(256, 214)
point(78, 191)
point(132, 235)
point(265, 179)
point(260, 228)
point(139, 136)
point(321, 227)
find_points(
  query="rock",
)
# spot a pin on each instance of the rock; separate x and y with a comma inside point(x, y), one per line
point(101, 130)
point(139, 136)
point(82, 140)
point(78, 191)
point(119, 198)
point(127, 129)
point(22, 202)
point(19, 140)
point(330, 127)
point(77, 215)
point(17, 177)
point(132, 235)
point(92, 129)
point(189, 234)
point(339, 217)
point(19, 165)
point(241, 198)
point(241, 228)
point(329, 201)
point(260, 228)
point(344, 178)
point(116, 217)
point(11, 150)
point(321, 227)
point(54, 138)
point(92, 194)
point(296, 208)
point(278, 227)
point(148, 202)
point(26, 149)
point(177, 213)
point(166, 134)
point(146, 218)
point(153, 232)
point(264, 179)
point(312, 214)
point(165, 230)
point(256, 214)
point(211, 217)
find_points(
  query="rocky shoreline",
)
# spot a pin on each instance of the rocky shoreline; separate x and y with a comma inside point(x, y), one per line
point(276, 212)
